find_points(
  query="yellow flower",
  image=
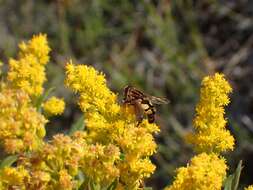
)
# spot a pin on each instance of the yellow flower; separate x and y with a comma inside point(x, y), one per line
point(110, 124)
point(134, 170)
point(39, 180)
point(94, 95)
point(14, 178)
point(28, 71)
point(27, 74)
point(13, 145)
point(99, 163)
point(22, 127)
point(135, 140)
point(65, 180)
point(205, 172)
point(249, 187)
point(211, 134)
point(37, 46)
point(54, 106)
point(56, 164)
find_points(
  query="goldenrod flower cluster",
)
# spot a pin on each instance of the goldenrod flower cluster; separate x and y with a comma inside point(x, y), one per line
point(22, 127)
point(54, 106)
point(204, 172)
point(111, 149)
point(211, 134)
point(94, 95)
point(207, 170)
point(55, 164)
point(99, 163)
point(249, 187)
point(109, 123)
point(28, 71)
point(13, 178)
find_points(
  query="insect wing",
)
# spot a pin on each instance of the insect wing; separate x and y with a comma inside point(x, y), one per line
point(158, 100)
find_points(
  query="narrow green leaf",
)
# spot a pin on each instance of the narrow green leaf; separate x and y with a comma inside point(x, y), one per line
point(77, 126)
point(80, 179)
point(94, 186)
point(237, 174)
point(232, 181)
point(113, 185)
point(42, 98)
point(8, 161)
point(228, 183)
point(147, 188)
point(90, 186)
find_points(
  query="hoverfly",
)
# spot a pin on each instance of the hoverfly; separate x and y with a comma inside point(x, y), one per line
point(143, 103)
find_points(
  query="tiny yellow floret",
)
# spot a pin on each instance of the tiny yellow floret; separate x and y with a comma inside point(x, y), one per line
point(54, 106)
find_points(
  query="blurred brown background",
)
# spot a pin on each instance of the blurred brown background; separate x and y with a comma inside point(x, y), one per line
point(163, 47)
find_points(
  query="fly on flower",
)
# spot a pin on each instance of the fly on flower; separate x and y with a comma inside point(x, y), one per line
point(143, 103)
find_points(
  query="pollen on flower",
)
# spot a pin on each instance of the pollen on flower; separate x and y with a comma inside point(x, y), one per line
point(54, 106)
